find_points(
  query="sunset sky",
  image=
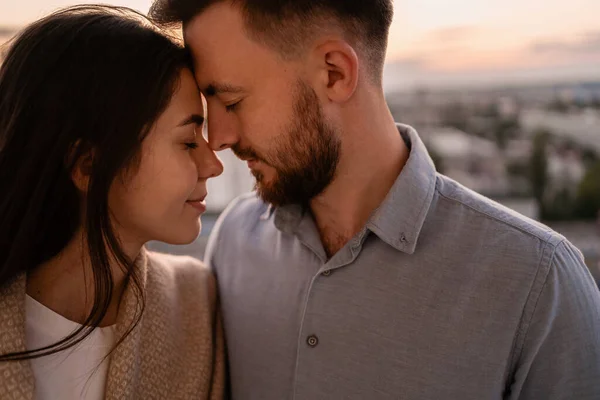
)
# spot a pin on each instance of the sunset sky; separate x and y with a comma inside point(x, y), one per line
point(455, 41)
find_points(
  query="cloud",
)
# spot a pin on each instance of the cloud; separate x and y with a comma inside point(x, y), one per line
point(491, 77)
point(453, 33)
point(588, 44)
point(409, 63)
point(451, 61)
point(7, 30)
point(406, 65)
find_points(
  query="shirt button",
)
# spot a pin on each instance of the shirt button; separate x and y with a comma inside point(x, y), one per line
point(312, 341)
point(326, 273)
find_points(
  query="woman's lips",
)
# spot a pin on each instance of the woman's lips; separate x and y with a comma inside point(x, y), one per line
point(199, 205)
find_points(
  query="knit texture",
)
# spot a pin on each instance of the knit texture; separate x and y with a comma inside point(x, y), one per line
point(175, 352)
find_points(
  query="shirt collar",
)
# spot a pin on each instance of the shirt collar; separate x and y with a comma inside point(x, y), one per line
point(287, 218)
point(399, 219)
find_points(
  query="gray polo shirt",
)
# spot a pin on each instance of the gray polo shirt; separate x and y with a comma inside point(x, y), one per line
point(443, 295)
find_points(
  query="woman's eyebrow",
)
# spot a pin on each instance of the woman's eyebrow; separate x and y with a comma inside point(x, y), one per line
point(192, 119)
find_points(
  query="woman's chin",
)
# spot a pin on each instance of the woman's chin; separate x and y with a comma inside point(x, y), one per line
point(183, 236)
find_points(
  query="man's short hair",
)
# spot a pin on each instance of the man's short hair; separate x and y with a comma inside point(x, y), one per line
point(287, 25)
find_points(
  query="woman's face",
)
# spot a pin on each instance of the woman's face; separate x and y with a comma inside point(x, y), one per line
point(163, 198)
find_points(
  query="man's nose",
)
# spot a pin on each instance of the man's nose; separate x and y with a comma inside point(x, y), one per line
point(222, 133)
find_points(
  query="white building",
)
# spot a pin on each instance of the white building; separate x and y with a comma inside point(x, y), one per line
point(582, 128)
point(565, 170)
point(565, 166)
point(473, 161)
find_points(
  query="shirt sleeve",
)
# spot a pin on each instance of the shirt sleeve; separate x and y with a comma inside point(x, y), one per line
point(560, 356)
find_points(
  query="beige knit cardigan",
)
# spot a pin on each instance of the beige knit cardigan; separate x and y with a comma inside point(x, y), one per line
point(176, 351)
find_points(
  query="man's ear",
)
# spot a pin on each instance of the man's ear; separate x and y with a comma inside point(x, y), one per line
point(336, 66)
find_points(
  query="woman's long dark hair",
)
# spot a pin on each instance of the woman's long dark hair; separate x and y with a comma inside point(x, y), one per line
point(84, 80)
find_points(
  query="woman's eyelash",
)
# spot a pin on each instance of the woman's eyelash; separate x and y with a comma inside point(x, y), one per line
point(191, 145)
point(232, 107)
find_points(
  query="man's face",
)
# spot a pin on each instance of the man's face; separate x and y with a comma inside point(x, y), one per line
point(261, 108)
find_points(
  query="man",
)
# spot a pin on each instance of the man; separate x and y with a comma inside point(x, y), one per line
point(356, 271)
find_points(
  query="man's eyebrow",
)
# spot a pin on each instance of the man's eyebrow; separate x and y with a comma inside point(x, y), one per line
point(218, 88)
point(192, 119)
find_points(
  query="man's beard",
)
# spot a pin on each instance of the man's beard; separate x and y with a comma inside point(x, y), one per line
point(305, 159)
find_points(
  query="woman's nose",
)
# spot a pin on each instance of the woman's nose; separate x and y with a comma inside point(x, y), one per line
point(209, 165)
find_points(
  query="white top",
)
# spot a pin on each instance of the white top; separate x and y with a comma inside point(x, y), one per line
point(76, 373)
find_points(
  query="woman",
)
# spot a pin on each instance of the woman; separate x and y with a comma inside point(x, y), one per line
point(101, 151)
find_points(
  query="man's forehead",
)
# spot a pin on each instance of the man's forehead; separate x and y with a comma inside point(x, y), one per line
point(216, 45)
point(227, 60)
point(220, 17)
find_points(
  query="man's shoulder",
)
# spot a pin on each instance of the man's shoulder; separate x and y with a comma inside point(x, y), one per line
point(243, 211)
point(241, 217)
point(466, 207)
point(248, 204)
point(236, 224)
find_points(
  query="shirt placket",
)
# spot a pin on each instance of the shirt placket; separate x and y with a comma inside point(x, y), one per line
point(309, 336)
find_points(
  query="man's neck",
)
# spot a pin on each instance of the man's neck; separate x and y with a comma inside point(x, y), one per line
point(371, 163)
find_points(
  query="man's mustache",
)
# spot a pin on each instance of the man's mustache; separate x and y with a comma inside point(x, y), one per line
point(245, 153)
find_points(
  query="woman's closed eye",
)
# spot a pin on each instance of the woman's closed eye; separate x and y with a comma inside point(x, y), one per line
point(191, 143)
point(232, 107)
